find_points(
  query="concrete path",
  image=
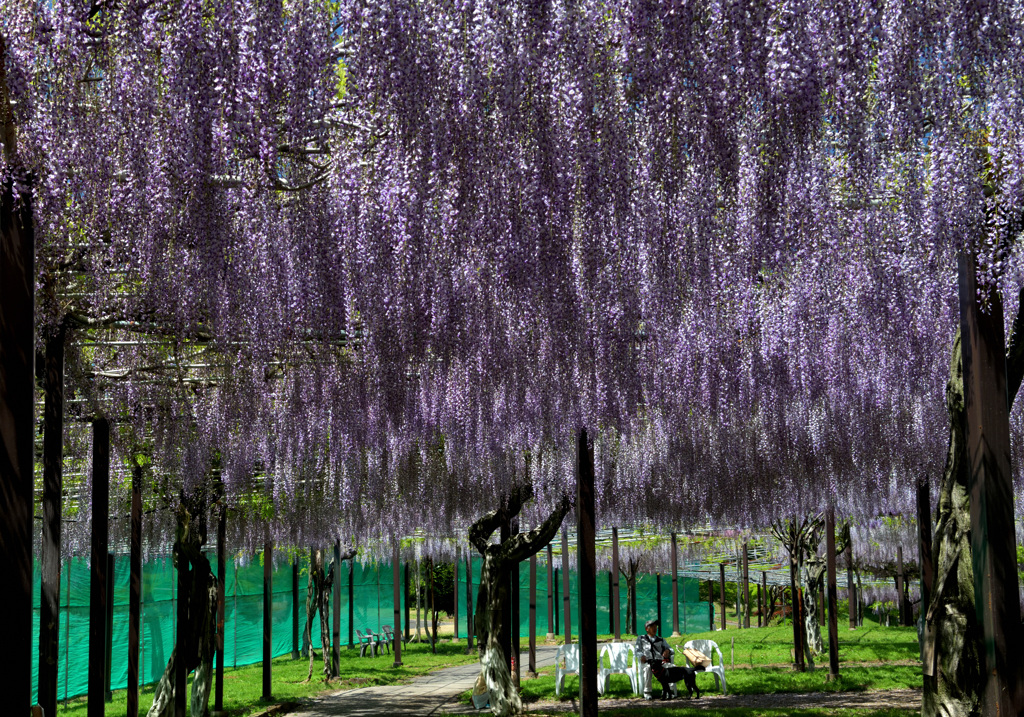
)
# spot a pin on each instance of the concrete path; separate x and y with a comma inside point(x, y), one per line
point(432, 694)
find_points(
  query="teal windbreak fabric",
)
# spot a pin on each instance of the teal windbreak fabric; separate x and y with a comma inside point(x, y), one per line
point(372, 607)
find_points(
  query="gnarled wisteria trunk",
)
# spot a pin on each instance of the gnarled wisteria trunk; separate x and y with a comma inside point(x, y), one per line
point(812, 573)
point(492, 595)
point(318, 599)
point(952, 635)
point(951, 627)
point(201, 626)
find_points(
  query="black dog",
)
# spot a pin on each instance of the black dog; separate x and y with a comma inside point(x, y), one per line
point(676, 673)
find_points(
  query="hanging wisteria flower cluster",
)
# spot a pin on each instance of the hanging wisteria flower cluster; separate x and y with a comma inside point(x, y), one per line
point(392, 256)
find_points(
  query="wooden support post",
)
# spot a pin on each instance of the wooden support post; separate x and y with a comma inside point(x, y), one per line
point(760, 604)
point(295, 608)
point(795, 612)
point(455, 594)
point(554, 588)
point(134, 594)
point(566, 613)
point(17, 429)
point(108, 694)
point(396, 583)
point(830, 569)
point(408, 625)
point(657, 579)
point(764, 598)
point(470, 627)
point(180, 640)
point(514, 621)
point(98, 585)
point(53, 459)
point(851, 589)
point(532, 668)
point(900, 586)
point(336, 618)
point(616, 619)
point(711, 604)
point(721, 590)
point(675, 586)
point(611, 610)
point(746, 587)
point(586, 573)
point(218, 694)
point(552, 630)
point(993, 536)
point(268, 609)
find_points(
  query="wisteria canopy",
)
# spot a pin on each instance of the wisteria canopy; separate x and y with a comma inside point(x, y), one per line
point(378, 262)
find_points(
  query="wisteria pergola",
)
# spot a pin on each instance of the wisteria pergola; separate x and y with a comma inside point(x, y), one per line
point(372, 267)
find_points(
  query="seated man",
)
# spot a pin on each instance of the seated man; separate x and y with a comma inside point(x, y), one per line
point(654, 652)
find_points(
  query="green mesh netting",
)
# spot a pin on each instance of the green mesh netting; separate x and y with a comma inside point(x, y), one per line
point(694, 615)
point(373, 606)
point(243, 616)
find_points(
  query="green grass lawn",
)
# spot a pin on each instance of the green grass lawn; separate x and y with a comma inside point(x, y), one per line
point(870, 658)
point(243, 686)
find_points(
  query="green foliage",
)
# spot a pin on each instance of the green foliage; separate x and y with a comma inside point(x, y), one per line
point(444, 586)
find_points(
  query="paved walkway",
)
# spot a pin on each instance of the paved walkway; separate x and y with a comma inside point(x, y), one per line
point(432, 694)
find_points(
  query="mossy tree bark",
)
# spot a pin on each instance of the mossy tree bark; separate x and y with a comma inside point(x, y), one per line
point(492, 595)
point(953, 673)
point(201, 626)
point(318, 599)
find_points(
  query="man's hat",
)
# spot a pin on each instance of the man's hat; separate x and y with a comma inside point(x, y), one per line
point(650, 622)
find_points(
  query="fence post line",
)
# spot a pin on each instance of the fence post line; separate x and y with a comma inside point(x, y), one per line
point(98, 583)
point(470, 628)
point(268, 607)
point(721, 587)
point(746, 586)
point(616, 616)
point(218, 695)
point(551, 595)
point(566, 605)
point(17, 429)
point(455, 594)
point(108, 695)
point(764, 599)
point(830, 567)
point(396, 581)
point(134, 593)
point(295, 608)
point(533, 617)
point(657, 577)
point(408, 634)
point(50, 558)
point(675, 586)
point(515, 617)
point(351, 600)
point(336, 619)
point(586, 572)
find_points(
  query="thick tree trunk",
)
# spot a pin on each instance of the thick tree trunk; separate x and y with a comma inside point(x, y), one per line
point(492, 595)
point(813, 572)
point(318, 599)
point(201, 625)
point(951, 627)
